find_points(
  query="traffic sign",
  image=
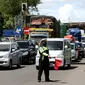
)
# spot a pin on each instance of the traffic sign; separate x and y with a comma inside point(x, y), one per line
point(26, 30)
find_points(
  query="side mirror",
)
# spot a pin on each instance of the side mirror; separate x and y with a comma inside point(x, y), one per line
point(13, 50)
point(84, 48)
point(66, 46)
point(36, 46)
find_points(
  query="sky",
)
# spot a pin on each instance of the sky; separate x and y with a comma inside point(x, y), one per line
point(64, 10)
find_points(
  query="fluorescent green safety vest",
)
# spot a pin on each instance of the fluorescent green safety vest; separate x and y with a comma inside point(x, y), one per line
point(42, 51)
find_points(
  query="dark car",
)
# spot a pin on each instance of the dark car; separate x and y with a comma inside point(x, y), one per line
point(32, 50)
point(28, 51)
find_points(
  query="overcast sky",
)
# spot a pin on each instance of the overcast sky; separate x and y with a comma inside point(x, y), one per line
point(65, 10)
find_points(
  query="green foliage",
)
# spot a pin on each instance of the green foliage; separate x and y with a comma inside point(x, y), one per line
point(8, 21)
point(32, 2)
point(13, 7)
point(1, 20)
point(1, 2)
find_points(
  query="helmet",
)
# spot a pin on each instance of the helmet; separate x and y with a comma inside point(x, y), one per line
point(44, 43)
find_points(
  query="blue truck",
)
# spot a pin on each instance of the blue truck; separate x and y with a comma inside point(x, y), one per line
point(75, 32)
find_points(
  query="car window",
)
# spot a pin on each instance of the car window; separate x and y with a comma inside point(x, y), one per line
point(23, 44)
point(55, 45)
point(65, 43)
point(13, 47)
point(16, 46)
point(68, 44)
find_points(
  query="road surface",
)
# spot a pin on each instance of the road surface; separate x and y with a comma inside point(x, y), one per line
point(27, 75)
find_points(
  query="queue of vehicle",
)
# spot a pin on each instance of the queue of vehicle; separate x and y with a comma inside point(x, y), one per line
point(20, 51)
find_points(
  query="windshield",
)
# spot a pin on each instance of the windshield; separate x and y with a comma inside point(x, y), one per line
point(4, 47)
point(23, 44)
point(40, 26)
point(37, 38)
point(55, 45)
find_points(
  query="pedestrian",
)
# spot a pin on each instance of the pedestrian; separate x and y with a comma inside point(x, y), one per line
point(44, 62)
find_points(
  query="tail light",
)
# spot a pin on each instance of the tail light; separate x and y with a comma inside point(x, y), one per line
point(48, 56)
point(76, 49)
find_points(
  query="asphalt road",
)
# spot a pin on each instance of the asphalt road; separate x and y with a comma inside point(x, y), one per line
point(27, 75)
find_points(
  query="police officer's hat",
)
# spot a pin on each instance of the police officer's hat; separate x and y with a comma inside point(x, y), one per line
point(44, 42)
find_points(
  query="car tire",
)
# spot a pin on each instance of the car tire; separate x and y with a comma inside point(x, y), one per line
point(10, 65)
point(29, 60)
point(69, 65)
point(19, 63)
point(37, 67)
point(63, 67)
point(33, 61)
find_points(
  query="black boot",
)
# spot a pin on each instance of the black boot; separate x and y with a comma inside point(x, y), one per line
point(39, 80)
point(48, 80)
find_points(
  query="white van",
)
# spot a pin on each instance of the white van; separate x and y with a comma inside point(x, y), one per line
point(59, 48)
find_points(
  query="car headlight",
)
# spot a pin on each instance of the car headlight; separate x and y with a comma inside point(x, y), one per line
point(30, 49)
point(5, 56)
point(25, 53)
point(60, 56)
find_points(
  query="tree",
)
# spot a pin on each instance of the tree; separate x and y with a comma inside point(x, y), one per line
point(32, 3)
point(13, 7)
point(1, 20)
point(8, 21)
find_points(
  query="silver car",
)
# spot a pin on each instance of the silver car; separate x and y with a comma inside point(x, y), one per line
point(10, 54)
point(73, 51)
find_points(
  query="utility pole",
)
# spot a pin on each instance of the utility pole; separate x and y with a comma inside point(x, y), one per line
point(69, 19)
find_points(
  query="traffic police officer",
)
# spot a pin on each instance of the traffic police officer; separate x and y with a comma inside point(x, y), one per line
point(43, 61)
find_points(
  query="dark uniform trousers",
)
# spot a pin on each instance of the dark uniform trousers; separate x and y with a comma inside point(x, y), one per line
point(44, 66)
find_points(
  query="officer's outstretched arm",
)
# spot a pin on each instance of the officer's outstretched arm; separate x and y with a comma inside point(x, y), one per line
point(45, 54)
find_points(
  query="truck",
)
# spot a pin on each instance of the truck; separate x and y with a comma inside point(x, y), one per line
point(42, 26)
point(38, 33)
point(75, 32)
